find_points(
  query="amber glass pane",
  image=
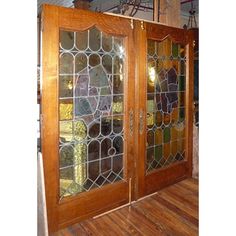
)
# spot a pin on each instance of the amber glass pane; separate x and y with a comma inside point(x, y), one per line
point(165, 103)
point(91, 110)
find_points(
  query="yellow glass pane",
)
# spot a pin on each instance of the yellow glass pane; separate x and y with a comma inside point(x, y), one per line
point(166, 150)
point(66, 111)
point(80, 130)
point(66, 131)
point(174, 148)
point(150, 120)
point(158, 137)
point(175, 115)
point(181, 144)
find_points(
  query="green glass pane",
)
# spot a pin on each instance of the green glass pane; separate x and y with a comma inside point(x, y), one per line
point(181, 114)
point(181, 83)
point(167, 135)
point(150, 103)
point(66, 156)
point(175, 50)
point(158, 153)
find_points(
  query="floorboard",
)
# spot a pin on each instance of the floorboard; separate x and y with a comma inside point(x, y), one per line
point(172, 211)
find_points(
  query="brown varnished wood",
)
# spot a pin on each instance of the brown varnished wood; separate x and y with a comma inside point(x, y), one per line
point(154, 215)
point(49, 127)
point(140, 105)
point(73, 209)
point(163, 177)
point(189, 100)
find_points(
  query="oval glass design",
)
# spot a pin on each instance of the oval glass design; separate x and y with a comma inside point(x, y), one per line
point(94, 60)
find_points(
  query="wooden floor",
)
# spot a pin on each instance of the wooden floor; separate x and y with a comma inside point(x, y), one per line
point(171, 211)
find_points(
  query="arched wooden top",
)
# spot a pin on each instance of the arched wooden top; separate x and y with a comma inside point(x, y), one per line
point(74, 19)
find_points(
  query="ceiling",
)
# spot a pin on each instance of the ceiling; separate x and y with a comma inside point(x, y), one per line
point(107, 4)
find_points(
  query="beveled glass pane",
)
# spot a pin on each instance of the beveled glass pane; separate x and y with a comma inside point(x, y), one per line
point(118, 84)
point(150, 154)
point(106, 166)
point(94, 60)
point(82, 40)
point(107, 63)
point(94, 39)
point(66, 86)
point(118, 45)
point(106, 42)
point(80, 62)
point(66, 39)
point(93, 170)
point(66, 63)
point(150, 103)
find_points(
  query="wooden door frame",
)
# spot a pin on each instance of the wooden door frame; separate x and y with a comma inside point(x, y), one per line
point(68, 211)
point(147, 184)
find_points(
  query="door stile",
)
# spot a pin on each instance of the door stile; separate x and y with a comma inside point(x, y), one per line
point(189, 100)
point(49, 103)
point(140, 105)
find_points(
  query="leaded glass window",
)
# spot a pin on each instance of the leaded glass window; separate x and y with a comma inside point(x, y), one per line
point(91, 110)
point(165, 104)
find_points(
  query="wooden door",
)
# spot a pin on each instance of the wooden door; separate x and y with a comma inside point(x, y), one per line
point(164, 106)
point(87, 113)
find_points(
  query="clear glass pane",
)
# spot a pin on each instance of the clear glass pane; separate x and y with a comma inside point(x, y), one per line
point(91, 105)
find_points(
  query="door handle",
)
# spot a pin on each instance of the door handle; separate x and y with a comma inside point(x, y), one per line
point(131, 122)
point(141, 121)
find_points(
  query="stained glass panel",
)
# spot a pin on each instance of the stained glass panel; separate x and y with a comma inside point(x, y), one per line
point(91, 107)
point(165, 103)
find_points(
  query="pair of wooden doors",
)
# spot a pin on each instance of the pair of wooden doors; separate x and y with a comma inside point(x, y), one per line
point(116, 111)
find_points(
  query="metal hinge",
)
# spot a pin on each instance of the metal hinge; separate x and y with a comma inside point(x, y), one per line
point(142, 25)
